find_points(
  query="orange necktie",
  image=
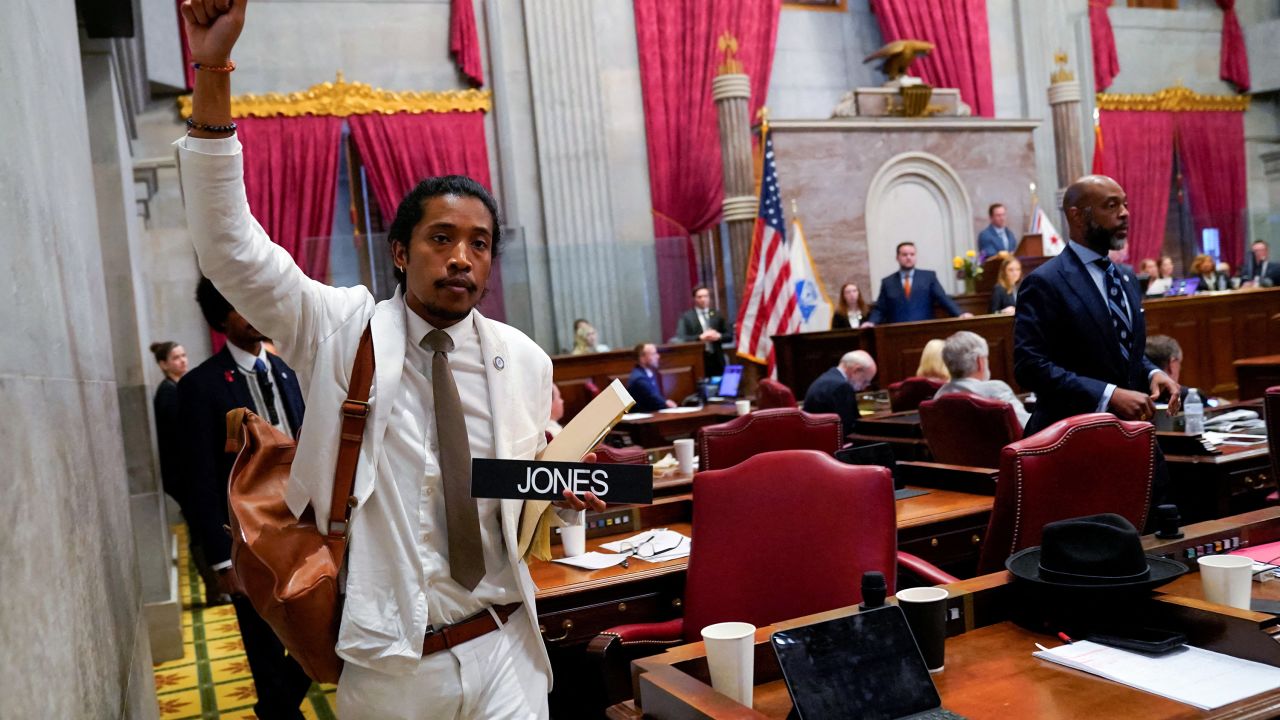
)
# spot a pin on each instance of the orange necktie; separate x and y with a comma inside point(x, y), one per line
point(906, 286)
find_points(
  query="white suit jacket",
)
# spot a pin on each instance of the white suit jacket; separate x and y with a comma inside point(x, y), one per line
point(316, 329)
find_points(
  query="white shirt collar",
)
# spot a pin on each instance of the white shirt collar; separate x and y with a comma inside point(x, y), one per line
point(417, 328)
point(245, 360)
point(1086, 255)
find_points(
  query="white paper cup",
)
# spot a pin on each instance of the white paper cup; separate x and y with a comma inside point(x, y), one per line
point(574, 536)
point(744, 406)
point(684, 455)
point(731, 659)
point(1227, 579)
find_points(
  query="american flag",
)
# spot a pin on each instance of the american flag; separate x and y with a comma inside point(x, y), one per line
point(769, 304)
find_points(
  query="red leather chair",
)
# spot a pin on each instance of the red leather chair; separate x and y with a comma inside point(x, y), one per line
point(909, 393)
point(1083, 465)
point(630, 455)
point(1271, 413)
point(765, 551)
point(727, 444)
point(772, 394)
point(964, 429)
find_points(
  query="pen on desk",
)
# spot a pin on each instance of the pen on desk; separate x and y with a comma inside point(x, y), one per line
point(1064, 638)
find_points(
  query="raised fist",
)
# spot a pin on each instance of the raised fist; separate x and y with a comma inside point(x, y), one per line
point(212, 28)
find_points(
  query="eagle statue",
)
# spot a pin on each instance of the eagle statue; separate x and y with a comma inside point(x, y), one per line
point(898, 56)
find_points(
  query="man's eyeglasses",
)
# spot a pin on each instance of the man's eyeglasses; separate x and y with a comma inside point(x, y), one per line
point(645, 548)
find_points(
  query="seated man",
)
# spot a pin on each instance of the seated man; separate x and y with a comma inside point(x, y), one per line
point(836, 390)
point(967, 358)
point(1166, 353)
point(645, 382)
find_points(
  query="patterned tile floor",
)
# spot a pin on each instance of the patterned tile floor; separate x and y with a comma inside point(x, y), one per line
point(212, 679)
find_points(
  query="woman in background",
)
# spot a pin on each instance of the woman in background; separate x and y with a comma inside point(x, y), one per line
point(585, 339)
point(1210, 279)
point(1004, 295)
point(931, 365)
point(1163, 280)
point(851, 309)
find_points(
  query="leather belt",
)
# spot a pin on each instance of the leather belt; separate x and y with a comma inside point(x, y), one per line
point(481, 623)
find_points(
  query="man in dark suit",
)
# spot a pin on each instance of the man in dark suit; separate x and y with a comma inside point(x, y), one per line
point(910, 293)
point(703, 324)
point(242, 374)
point(645, 382)
point(1079, 332)
point(836, 390)
point(1258, 269)
point(996, 238)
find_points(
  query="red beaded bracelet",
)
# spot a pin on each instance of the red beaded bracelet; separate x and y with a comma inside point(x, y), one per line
point(229, 67)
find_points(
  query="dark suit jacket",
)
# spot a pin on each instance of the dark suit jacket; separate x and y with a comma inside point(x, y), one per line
point(1001, 298)
point(832, 393)
point(169, 440)
point(989, 242)
point(645, 391)
point(1065, 349)
point(205, 395)
point(1271, 271)
point(892, 305)
point(688, 329)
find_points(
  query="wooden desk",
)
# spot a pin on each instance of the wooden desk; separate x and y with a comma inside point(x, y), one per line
point(681, 367)
point(664, 426)
point(990, 672)
point(1254, 375)
point(1214, 329)
point(1205, 487)
point(576, 605)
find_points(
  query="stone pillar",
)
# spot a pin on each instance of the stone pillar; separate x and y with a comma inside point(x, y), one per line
point(1064, 99)
point(732, 93)
point(75, 641)
point(592, 172)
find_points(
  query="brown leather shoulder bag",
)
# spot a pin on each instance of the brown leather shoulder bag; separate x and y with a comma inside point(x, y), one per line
point(285, 566)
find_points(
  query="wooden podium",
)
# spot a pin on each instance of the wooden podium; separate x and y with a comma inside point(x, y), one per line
point(1030, 252)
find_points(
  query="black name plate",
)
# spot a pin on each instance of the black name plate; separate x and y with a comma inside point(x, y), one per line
point(540, 480)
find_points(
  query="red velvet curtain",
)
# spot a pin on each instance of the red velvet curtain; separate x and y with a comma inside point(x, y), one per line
point(1211, 148)
point(290, 178)
point(401, 150)
point(962, 54)
point(464, 40)
point(1234, 66)
point(1139, 154)
point(1106, 64)
point(678, 59)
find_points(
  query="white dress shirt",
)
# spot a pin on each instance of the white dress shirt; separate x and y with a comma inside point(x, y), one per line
point(412, 449)
point(245, 362)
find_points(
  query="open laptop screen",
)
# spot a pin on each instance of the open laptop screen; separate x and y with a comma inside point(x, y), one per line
point(729, 381)
point(859, 666)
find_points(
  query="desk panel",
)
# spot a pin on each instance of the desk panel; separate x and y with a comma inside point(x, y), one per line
point(681, 366)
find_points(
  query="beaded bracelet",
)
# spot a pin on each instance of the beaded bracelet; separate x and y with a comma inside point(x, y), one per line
point(192, 124)
point(229, 67)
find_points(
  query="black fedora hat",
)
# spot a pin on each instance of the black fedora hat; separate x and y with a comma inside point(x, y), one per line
point(1092, 553)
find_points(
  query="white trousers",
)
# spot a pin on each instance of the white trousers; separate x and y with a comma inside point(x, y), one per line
point(497, 675)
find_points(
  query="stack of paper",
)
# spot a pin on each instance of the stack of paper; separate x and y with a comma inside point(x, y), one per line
point(593, 560)
point(1189, 675)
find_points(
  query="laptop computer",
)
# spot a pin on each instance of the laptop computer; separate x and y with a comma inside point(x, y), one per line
point(878, 453)
point(727, 387)
point(865, 667)
point(1183, 286)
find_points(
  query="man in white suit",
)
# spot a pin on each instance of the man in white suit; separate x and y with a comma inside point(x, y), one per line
point(439, 618)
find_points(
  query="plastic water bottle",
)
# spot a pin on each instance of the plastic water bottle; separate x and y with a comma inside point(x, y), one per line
point(1193, 411)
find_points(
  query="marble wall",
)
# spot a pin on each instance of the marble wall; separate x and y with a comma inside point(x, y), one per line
point(829, 167)
point(75, 645)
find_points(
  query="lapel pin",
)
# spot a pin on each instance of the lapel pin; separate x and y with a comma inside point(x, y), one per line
point(499, 363)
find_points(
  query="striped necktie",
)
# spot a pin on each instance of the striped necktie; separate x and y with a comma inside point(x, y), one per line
point(1115, 303)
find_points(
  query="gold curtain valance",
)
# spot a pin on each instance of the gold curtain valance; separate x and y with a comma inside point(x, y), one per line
point(341, 98)
point(1174, 99)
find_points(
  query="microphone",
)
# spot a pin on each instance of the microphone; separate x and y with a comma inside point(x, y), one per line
point(1167, 520)
point(873, 590)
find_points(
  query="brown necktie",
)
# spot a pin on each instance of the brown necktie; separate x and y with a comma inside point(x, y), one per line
point(466, 555)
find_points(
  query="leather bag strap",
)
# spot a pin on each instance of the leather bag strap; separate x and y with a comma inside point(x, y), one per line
point(355, 413)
